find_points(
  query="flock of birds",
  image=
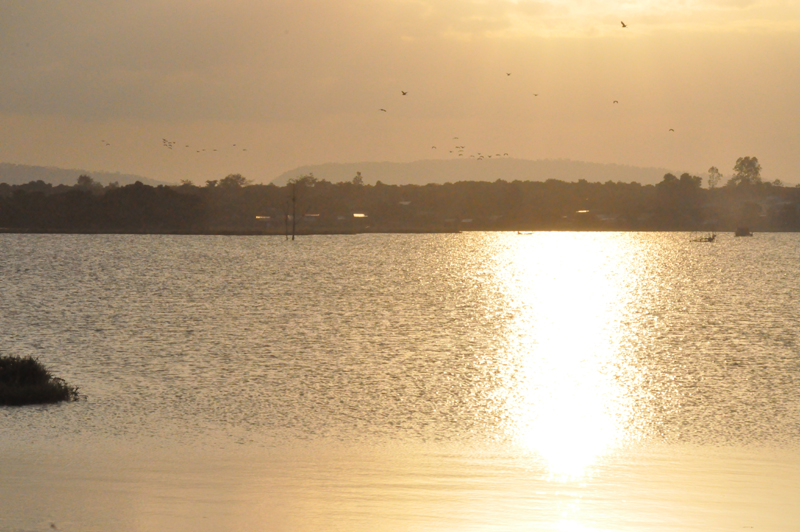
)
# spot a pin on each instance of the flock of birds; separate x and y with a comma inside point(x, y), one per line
point(459, 150)
point(170, 144)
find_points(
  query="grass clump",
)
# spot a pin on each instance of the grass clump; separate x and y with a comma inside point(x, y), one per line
point(25, 381)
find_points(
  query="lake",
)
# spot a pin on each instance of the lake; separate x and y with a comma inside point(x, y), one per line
point(452, 382)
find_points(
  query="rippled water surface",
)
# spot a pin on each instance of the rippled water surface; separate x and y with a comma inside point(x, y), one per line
point(475, 381)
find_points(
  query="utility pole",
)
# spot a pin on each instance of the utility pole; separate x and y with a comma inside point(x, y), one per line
point(294, 208)
point(286, 220)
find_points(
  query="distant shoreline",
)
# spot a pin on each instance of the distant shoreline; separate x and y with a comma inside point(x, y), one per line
point(222, 232)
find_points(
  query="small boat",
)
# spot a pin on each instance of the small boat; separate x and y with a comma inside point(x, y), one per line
point(742, 231)
point(707, 238)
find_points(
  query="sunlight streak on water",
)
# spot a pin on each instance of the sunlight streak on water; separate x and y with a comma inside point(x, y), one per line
point(565, 404)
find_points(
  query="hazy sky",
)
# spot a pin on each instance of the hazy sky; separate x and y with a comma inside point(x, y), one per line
point(302, 81)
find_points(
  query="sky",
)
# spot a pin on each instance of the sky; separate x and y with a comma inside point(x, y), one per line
point(127, 85)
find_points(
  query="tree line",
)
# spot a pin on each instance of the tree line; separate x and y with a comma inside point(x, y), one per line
point(310, 205)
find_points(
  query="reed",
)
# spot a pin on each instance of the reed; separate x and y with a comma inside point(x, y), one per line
point(25, 381)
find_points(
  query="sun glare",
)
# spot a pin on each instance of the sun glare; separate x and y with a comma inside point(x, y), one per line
point(564, 403)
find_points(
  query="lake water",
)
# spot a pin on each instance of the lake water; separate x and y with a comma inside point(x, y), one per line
point(455, 382)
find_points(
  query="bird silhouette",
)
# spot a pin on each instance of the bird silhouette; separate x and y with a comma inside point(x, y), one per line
point(536, 94)
point(616, 101)
point(384, 110)
point(623, 24)
point(404, 92)
point(672, 130)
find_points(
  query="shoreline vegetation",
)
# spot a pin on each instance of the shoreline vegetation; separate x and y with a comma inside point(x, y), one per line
point(307, 205)
point(25, 381)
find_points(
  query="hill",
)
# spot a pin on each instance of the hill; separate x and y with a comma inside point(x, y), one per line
point(444, 171)
point(19, 174)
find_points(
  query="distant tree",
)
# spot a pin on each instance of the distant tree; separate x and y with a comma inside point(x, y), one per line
point(211, 183)
point(234, 181)
point(186, 183)
point(307, 180)
point(690, 182)
point(747, 172)
point(714, 177)
point(295, 187)
point(679, 201)
point(358, 180)
point(88, 184)
point(85, 181)
point(113, 185)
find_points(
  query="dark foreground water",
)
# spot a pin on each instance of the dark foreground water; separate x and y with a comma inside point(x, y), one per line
point(476, 381)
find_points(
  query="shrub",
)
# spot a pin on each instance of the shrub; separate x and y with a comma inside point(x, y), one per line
point(25, 381)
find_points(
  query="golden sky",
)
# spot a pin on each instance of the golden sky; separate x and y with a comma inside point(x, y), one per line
point(97, 84)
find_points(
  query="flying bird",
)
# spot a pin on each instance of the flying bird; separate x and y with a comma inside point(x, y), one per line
point(536, 94)
point(384, 110)
point(616, 101)
point(672, 130)
point(623, 24)
point(404, 92)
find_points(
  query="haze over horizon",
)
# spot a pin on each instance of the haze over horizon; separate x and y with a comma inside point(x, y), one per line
point(261, 88)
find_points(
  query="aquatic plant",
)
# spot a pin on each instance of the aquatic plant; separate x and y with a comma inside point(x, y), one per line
point(25, 381)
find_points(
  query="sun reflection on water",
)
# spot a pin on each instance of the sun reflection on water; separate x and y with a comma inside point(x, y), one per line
point(564, 401)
